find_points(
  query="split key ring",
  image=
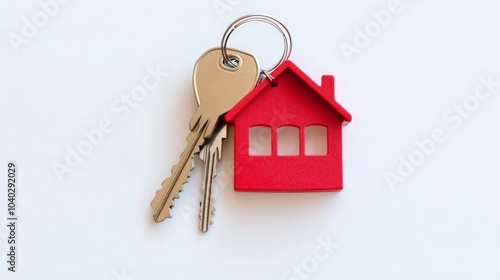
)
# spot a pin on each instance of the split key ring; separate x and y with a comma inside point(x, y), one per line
point(287, 41)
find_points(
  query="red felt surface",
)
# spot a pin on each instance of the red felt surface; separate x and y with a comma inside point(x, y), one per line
point(295, 101)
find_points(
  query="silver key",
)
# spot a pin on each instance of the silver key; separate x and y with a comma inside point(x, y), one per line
point(210, 154)
point(217, 89)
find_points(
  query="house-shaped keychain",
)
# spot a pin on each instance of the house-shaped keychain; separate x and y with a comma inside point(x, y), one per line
point(292, 105)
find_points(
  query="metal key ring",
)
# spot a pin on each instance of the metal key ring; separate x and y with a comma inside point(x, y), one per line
point(287, 39)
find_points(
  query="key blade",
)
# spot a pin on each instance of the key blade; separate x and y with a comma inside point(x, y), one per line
point(206, 205)
point(219, 87)
point(172, 186)
point(210, 154)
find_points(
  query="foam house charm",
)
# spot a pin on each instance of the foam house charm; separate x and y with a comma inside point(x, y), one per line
point(288, 103)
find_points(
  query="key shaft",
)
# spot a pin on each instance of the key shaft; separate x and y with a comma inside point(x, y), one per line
point(211, 155)
point(206, 205)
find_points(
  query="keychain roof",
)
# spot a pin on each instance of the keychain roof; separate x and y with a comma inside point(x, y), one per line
point(326, 92)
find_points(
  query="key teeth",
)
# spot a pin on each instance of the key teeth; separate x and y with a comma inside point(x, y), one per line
point(212, 213)
point(165, 213)
point(159, 217)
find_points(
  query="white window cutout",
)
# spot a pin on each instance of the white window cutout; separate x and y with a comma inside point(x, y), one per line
point(260, 141)
point(288, 141)
point(316, 140)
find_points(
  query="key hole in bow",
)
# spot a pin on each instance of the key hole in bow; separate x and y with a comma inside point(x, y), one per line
point(233, 61)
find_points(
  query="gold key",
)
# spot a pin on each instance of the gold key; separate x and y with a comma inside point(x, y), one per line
point(218, 87)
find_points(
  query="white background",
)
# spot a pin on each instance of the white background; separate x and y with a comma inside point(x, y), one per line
point(440, 222)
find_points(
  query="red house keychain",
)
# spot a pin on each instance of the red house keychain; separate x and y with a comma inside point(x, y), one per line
point(296, 101)
point(288, 98)
point(224, 82)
